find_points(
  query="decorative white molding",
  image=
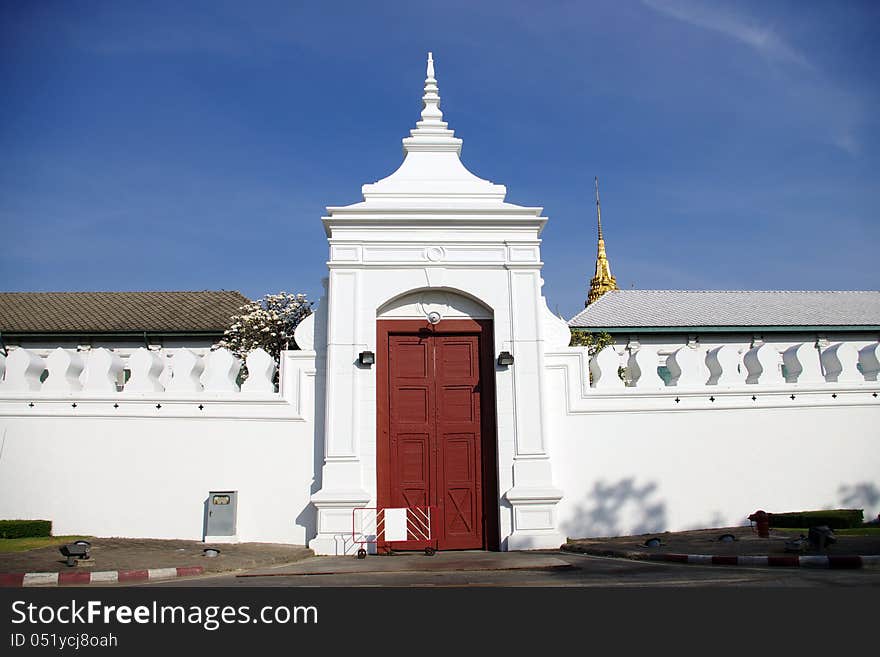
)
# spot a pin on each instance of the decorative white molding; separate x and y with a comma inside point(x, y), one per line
point(344, 253)
point(153, 406)
point(566, 372)
point(221, 371)
point(394, 254)
point(98, 375)
point(65, 367)
point(23, 371)
point(186, 372)
point(103, 371)
point(554, 329)
point(435, 253)
point(869, 359)
point(145, 366)
point(261, 372)
point(685, 367)
point(762, 363)
point(802, 364)
point(841, 363)
point(523, 254)
point(98, 400)
point(304, 333)
point(642, 368)
point(724, 366)
point(603, 369)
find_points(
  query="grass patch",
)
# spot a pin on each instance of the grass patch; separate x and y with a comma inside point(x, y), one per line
point(33, 542)
point(852, 531)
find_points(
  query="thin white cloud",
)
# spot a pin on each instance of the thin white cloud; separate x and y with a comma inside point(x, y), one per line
point(835, 111)
point(760, 38)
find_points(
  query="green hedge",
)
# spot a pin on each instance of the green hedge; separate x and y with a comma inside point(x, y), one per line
point(834, 518)
point(25, 528)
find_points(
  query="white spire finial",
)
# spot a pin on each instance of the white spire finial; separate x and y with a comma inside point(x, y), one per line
point(432, 170)
point(431, 133)
point(431, 114)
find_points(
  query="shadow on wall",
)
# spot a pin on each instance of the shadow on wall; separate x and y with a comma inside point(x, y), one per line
point(864, 495)
point(617, 509)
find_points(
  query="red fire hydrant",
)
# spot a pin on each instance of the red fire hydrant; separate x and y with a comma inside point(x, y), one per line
point(762, 523)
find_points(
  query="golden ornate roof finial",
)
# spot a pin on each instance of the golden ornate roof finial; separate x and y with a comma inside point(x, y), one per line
point(603, 281)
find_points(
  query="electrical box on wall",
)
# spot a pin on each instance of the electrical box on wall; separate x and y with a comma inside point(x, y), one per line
point(220, 517)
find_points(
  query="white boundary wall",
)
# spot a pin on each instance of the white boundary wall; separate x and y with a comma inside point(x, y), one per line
point(141, 464)
point(634, 460)
point(626, 459)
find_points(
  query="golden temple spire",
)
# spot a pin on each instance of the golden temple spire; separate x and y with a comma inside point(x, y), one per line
point(603, 281)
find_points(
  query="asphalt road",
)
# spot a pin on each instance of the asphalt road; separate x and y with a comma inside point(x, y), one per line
point(565, 570)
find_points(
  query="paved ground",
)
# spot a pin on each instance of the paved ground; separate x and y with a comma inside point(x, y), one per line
point(585, 562)
point(132, 554)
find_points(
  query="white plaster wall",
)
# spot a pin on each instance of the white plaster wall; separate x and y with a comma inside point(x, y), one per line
point(150, 477)
point(669, 458)
point(638, 472)
point(141, 464)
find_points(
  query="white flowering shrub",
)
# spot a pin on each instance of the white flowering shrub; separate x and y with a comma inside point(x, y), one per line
point(268, 323)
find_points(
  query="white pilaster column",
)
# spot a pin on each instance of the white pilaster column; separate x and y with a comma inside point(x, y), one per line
point(534, 496)
point(342, 486)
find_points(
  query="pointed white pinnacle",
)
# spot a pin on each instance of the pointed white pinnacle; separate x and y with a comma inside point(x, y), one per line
point(431, 133)
point(431, 113)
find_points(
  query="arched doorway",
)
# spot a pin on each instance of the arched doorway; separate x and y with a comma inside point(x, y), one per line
point(436, 439)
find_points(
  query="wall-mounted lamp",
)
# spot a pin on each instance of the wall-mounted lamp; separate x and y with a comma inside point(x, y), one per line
point(366, 358)
point(505, 358)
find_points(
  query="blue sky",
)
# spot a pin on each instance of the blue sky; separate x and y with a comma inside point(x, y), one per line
point(190, 145)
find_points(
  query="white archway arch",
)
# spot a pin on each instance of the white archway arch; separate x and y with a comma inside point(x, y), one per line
point(449, 303)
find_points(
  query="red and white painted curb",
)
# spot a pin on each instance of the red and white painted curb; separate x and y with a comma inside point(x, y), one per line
point(782, 560)
point(787, 560)
point(99, 577)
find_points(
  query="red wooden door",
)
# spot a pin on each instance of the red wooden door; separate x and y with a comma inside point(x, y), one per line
point(431, 447)
point(457, 437)
point(412, 413)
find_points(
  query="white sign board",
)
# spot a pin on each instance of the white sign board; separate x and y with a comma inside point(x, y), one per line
point(395, 524)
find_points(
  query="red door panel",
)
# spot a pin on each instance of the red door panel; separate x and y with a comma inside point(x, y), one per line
point(457, 380)
point(432, 432)
point(411, 413)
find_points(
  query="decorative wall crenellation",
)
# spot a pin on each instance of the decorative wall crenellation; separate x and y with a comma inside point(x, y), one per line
point(162, 372)
point(724, 367)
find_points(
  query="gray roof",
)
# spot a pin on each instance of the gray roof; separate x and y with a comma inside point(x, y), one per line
point(731, 308)
point(117, 312)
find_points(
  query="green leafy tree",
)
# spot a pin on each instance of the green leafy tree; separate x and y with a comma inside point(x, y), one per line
point(594, 342)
